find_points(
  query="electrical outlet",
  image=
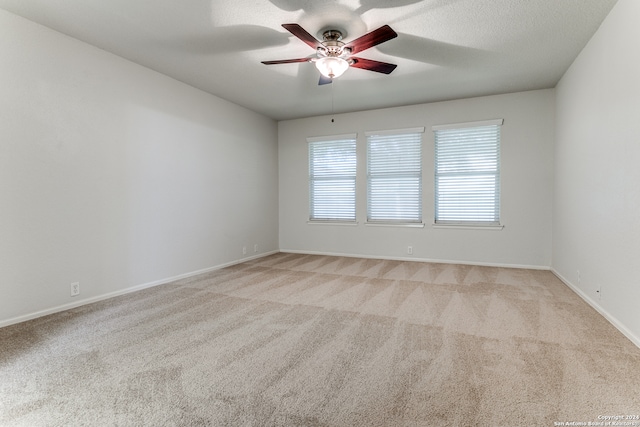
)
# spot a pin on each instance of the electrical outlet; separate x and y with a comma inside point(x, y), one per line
point(255, 248)
point(75, 289)
point(244, 250)
point(410, 250)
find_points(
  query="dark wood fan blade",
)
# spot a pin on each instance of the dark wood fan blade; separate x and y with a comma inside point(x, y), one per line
point(371, 65)
point(286, 61)
point(375, 37)
point(324, 80)
point(302, 34)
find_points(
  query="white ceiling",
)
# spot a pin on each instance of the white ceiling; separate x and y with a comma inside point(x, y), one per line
point(445, 49)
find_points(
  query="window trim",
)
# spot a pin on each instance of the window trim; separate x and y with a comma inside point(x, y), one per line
point(330, 138)
point(470, 226)
point(492, 122)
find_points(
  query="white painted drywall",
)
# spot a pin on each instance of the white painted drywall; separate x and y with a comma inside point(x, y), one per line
point(116, 176)
point(597, 198)
point(527, 184)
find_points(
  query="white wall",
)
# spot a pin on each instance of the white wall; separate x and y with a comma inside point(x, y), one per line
point(527, 185)
point(597, 199)
point(116, 176)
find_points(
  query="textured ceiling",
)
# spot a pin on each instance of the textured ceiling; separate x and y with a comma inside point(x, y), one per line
point(445, 49)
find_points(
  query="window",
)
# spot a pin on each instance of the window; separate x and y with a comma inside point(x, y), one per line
point(467, 173)
point(394, 176)
point(332, 178)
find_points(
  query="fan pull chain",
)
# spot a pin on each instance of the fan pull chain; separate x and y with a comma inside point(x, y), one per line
point(332, 110)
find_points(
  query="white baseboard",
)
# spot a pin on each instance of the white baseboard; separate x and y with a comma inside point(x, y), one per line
point(64, 307)
point(610, 318)
point(441, 261)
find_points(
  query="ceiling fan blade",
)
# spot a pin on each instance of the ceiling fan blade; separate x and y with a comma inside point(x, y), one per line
point(303, 35)
point(375, 37)
point(371, 65)
point(286, 61)
point(324, 80)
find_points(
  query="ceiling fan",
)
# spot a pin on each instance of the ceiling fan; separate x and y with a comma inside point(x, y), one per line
point(333, 56)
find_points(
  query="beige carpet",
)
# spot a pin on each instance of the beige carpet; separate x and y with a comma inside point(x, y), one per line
point(300, 340)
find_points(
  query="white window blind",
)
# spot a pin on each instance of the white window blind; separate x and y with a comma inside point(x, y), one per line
point(467, 173)
point(332, 178)
point(394, 176)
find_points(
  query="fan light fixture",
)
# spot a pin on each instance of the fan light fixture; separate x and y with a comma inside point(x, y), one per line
point(332, 66)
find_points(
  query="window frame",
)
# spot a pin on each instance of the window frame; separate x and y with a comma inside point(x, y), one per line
point(345, 141)
point(488, 166)
point(415, 217)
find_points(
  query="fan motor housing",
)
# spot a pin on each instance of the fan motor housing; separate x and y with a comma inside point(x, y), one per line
point(332, 44)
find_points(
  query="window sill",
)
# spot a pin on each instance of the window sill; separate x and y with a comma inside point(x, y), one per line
point(469, 227)
point(340, 223)
point(395, 224)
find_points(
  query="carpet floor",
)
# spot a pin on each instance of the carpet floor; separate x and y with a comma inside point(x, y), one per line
point(308, 340)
